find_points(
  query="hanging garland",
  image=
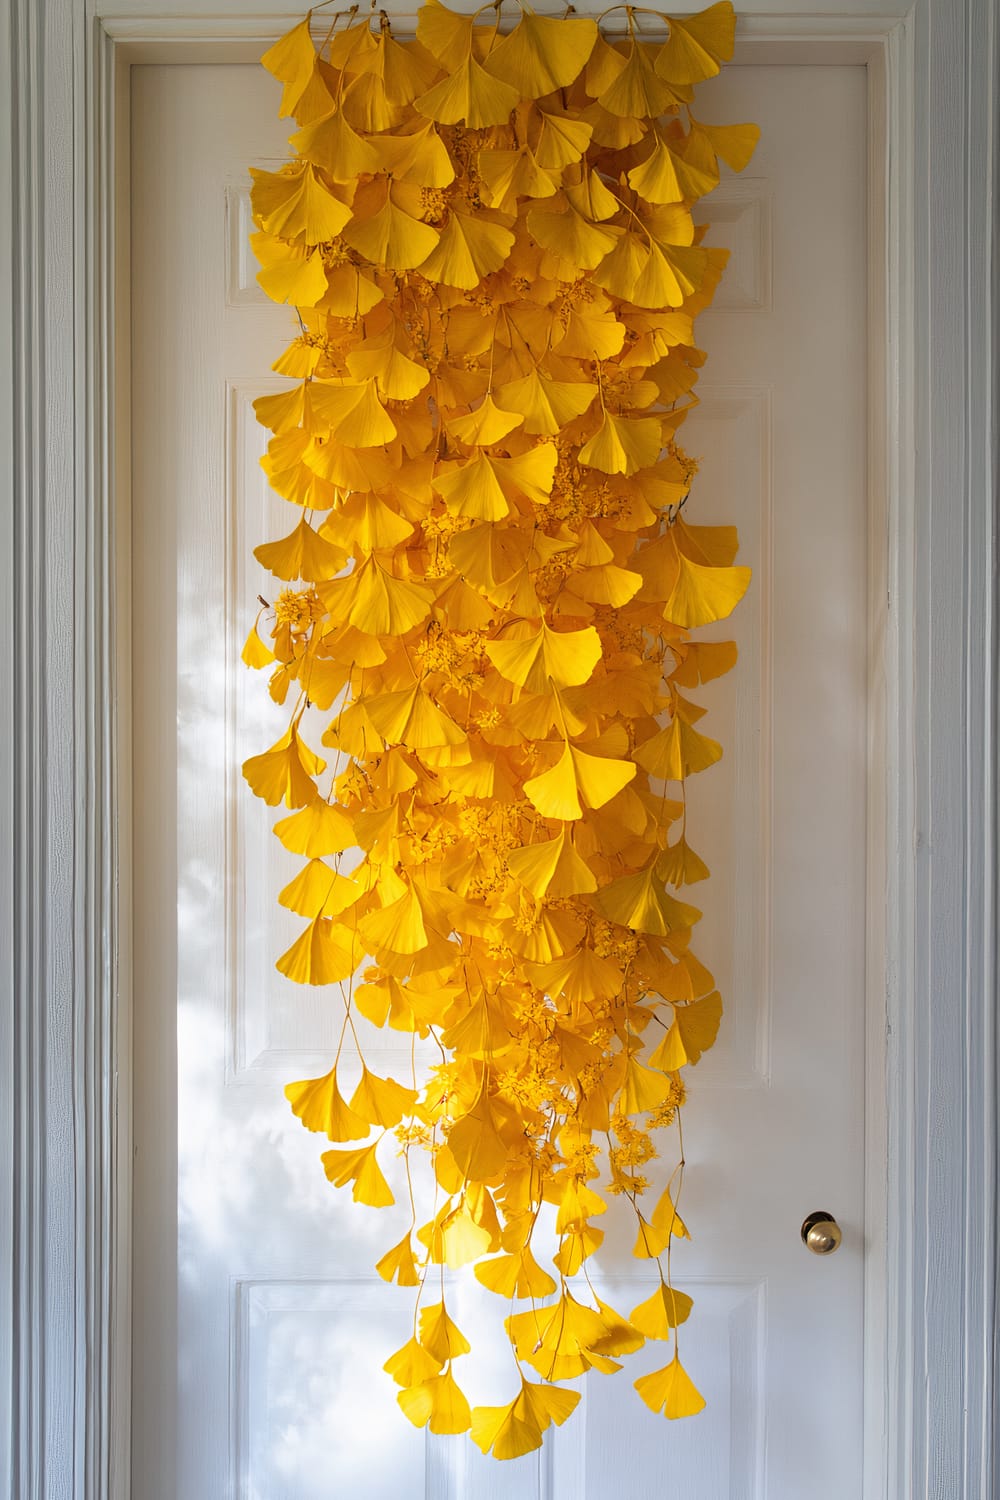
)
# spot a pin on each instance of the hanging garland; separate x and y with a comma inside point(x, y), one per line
point(490, 590)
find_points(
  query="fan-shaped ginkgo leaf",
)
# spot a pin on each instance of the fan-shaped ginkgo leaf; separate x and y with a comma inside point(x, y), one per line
point(440, 1336)
point(410, 717)
point(332, 144)
point(445, 33)
point(378, 603)
point(293, 273)
point(517, 1275)
point(548, 1403)
point(321, 1106)
point(569, 234)
point(509, 175)
point(292, 60)
point(396, 928)
point(665, 279)
point(383, 1101)
point(399, 1265)
point(438, 1404)
point(468, 248)
point(638, 91)
point(640, 901)
point(412, 1364)
point(655, 1234)
point(285, 772)
point(592, 198)
point(582, 976)
point(469, 95)
point(353, 48)
point(701, 595)
point(507, 1431)
point(621, 445)
point(397, 377)
point(318, 829)
point(349, 293)
point(511, 1431)
point(366, 521)
point(548, 658)
point(392, 237)
point(488, 424)
point(283, 411)
point(734, 143)
point(255, 654)
point(360, 1168)
point(665, 177)
point(562, 140)
point(529, 474)
point(489, 556)
point(296, 205)
point(473, 490)
point(319, 891)
point(671, 1391)
point(543, 53)
point(351, 412)
point(301, 554)
point(547, 404)
point(619, 271)
point(680, 865)
point(605, 585)
point(476, 1143)
point(402, 70)
point(559, 1341)
point(698, 44)
point(552, 868)
point(661, 1313)
point(324, 954)
point(606, 61)
point(366, 104)
point(589, 333)
point(643, 1089)
point(677, 752)
point(703, 662)
point(577, 780)
point(417, 155)
point(694, 1029)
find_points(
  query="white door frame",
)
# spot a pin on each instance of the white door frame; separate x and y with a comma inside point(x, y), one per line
point(931, 1377)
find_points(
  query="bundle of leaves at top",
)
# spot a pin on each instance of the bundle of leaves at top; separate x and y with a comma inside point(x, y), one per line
point(490, 589)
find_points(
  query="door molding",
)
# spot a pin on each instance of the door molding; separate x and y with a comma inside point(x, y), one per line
point(64, 820)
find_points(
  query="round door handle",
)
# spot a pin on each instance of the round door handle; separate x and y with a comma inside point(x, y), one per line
point(821, 1233)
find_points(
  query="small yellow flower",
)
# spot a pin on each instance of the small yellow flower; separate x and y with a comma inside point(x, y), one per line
point(298, 610)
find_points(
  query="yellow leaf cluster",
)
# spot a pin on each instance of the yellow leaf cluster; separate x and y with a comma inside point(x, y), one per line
point(488, 593)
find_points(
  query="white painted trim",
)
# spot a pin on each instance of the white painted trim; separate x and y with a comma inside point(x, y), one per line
point(820, 40)
point(8, 851)
point(65, 1180)
point(887, 77)
point(944, 1016)
point(886, 1391)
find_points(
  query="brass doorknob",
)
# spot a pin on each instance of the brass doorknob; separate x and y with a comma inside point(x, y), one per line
point(821, 1233)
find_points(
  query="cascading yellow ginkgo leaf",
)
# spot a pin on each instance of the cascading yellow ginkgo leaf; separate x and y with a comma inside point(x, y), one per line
point(487, 235)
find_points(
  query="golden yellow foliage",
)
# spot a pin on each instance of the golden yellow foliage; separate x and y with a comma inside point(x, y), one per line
point(671, 1391)
point(488, 592)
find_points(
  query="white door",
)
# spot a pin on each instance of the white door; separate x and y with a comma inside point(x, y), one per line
point(260, 1325)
